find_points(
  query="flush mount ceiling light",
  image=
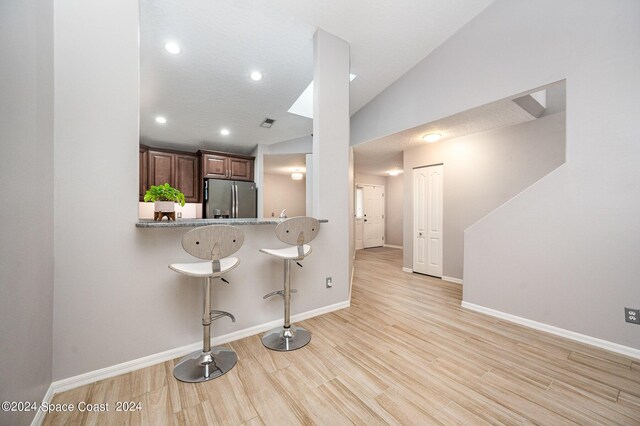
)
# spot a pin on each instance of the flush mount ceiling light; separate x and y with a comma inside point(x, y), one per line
point(256, 76)
point(172, 47)
point(224, 132)
point(432, 137)
point(297, 176)
point(161, 120)
point(394, 172)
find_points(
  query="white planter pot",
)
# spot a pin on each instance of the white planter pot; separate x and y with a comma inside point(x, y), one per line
point(165, 206)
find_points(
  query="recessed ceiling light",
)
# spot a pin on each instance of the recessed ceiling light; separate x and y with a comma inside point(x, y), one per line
point(297, 176)
point(256, 76)
point(394, 172)
point(432, 137)
point(161, 120)
point(172, 47)
point(224, 132)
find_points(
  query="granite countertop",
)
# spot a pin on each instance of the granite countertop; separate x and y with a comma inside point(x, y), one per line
point(181, 223)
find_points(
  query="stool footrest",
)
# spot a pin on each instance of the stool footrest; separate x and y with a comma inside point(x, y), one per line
point(278, 293)
point(215, 315)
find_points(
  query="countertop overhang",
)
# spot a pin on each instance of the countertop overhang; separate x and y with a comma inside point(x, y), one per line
point(185, 223)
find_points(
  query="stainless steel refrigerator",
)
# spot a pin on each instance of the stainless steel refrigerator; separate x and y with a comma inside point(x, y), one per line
point(229, 199)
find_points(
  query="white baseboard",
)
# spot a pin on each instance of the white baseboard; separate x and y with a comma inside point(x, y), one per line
point(409, 270)
point(452, 280)
point(39, 417)
point(572, 335)
point(136, 364)
point(391, 246)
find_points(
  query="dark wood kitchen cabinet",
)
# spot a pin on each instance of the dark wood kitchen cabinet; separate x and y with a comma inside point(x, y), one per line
point(186, 171)
point(240, 169)
point(161, 167)
point(186, 176)
point(214, 166)
point(143, 164)
point(220, 165)
point(178, 169)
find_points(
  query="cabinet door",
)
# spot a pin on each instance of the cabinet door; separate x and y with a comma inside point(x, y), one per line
point(161, 166)
point(240, 169)
point(186, 176)
point(214, 166)
point(144, 178)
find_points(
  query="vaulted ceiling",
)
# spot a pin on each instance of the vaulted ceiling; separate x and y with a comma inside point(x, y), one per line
point(206, 87)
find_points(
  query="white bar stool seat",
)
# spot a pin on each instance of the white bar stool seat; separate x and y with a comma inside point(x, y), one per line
point(297, 231)
point(204, 269)
point(215, 243)
point(288, 253)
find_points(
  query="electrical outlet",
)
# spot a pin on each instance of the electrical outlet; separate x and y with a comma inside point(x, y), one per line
point(632, 315)
point(179, 215)
point(329, 282)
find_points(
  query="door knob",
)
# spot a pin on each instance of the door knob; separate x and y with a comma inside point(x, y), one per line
point(420, 234)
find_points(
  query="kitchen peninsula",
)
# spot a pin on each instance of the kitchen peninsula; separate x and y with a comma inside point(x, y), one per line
point(180, 297)
point(184, 223)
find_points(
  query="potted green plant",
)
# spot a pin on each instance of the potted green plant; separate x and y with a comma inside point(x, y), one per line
point(165, 197)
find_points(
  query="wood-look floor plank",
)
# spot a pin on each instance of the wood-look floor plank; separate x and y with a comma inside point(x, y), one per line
point(404, 353)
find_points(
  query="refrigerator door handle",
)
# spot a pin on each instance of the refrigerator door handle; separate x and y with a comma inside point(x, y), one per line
point(235, 188)
point(233, 202)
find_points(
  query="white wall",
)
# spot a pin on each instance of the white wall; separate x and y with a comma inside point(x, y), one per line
point(369, 179)
point(26, 217)
point(282, 192)
point(394, 196)
point(481, 172)
point(564, 252)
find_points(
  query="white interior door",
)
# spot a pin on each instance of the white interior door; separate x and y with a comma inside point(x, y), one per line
point(359, 231)
point(427, 220)
point(373, 216)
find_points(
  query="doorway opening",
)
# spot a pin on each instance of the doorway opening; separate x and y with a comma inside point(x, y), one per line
point(369, 216)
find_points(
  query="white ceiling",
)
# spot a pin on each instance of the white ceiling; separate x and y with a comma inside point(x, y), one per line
point(207, 87)
point(284, 164)
point(380, 155)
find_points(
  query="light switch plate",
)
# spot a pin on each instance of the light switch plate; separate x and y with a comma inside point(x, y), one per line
point(329, 282)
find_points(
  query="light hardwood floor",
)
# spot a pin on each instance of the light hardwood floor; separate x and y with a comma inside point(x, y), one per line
point(403, 353)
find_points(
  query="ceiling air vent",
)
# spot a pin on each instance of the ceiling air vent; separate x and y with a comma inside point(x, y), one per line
point(267, 123)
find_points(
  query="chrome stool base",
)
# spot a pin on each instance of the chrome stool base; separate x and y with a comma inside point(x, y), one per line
point(201, 366)
point(283, 339)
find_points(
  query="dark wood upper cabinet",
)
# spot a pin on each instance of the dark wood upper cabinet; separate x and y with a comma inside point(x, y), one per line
point(220, 165)
point(144, 174)
point(186, 176)
point(161, 168)
point(186, 171)
point(240, 169)
point(214, 166)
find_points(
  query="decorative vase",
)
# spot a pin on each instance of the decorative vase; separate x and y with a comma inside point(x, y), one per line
point(164, 208)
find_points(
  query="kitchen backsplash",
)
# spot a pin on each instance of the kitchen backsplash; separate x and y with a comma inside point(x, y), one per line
point(189, 211)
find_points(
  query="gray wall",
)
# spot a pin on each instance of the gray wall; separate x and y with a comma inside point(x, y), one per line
point(282, 192)
point(394, 196)
point(481, 172)
point(26, 172)
point(370, 179)
point(571, 240)
point(115, 298)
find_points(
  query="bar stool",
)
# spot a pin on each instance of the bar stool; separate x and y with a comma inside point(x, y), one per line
point(216, 244)
point(297, 231)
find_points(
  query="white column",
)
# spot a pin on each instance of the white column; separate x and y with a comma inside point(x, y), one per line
point(330, 170)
